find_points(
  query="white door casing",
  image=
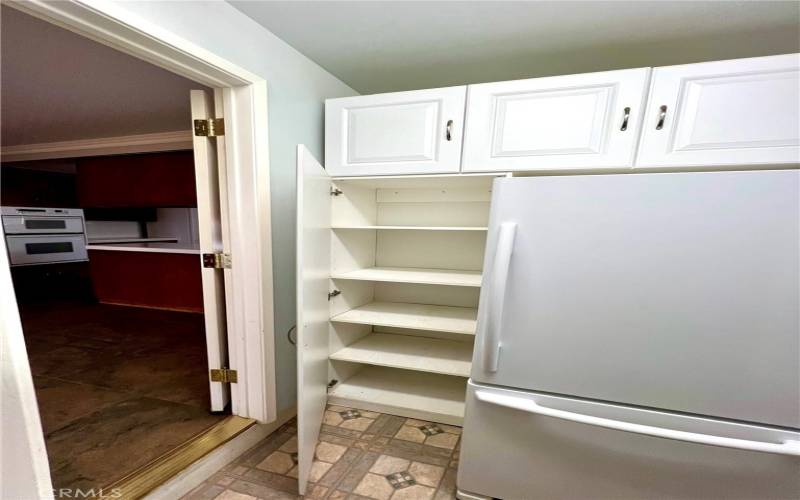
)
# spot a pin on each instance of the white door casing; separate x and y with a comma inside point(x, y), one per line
point(209, 165)
point(561, 122)
point(313, 277)
point(742, 111)
point(416, 132)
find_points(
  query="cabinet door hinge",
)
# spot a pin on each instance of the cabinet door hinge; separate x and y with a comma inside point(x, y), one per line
point(335, 192)
point(332, 384)
point(217, 260)
point(224, 375)
point(333, 294)
point(212, 127)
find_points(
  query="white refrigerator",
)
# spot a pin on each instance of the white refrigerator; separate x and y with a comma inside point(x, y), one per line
point(638, 337)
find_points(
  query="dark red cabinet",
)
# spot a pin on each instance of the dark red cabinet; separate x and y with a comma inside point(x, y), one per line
point(147, 279)
point(139, 180)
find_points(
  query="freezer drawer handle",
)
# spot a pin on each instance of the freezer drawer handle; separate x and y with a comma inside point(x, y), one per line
point(497, 293)
point(789, 447)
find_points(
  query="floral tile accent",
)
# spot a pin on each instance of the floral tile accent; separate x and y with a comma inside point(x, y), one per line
point(400, 480)
point(430, 429)
point(360, 455)
point(350, 414)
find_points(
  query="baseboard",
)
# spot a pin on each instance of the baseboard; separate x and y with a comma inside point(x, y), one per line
point(192, 476)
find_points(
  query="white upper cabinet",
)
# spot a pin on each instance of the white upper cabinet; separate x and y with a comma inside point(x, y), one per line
point(743, 111)
point(417, 132)
point(563, 122)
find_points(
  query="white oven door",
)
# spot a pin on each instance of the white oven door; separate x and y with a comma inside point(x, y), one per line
point(24, 250)
point(31, 224)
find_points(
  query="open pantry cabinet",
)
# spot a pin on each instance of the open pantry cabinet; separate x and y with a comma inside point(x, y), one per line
point(388, 279)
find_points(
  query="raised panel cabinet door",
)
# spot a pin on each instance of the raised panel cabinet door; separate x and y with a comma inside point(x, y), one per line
point(313, 313)
point(417, 132)
point(738, 112)
point(562, 122)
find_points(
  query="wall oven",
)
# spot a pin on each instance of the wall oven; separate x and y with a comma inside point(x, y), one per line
point(44, 235)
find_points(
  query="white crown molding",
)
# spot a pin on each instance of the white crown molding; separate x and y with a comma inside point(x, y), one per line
point(142, 143)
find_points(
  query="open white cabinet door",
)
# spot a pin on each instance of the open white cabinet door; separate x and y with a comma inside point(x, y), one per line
point(313, 271)
point(209, 166)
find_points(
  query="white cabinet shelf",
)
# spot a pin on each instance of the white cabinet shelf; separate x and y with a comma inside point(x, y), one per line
point(417, 228)
point(410, 353)
point(414, 275)
point(413, 316)
point(425, 396)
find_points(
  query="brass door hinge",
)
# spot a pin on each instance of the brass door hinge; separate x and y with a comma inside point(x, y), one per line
point(224, 375)
point(217, 260)
point(212, 127)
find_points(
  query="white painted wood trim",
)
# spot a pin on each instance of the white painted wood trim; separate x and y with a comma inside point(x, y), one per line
point(141, 143)
point(25, 470)
point(114, 26)
point(194, 475)
point(247, 154)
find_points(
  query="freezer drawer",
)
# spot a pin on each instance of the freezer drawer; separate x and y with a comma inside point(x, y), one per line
point(517, 454)
point(672, 290)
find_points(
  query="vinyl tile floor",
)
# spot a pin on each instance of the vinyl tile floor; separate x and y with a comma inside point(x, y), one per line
point(360, 455)
point(117, 386)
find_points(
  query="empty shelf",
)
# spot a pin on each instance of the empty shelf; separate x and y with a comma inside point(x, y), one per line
point(413, 316)
point(418, 228)
point(425, 396)
point(414, 275)
point(447, 357)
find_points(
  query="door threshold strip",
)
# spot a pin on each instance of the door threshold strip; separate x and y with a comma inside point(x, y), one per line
point(149, 476)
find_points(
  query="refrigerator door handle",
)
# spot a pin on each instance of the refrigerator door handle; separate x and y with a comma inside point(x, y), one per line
point(788, 447)
point(497, 294)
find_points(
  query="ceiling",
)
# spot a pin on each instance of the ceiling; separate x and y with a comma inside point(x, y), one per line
point(59, 86)
point(389, 46)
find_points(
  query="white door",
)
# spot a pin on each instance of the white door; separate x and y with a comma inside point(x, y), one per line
point(744, 111)
point(313, 276)
point(417, 132)
point(209, 165)
point(561, 122)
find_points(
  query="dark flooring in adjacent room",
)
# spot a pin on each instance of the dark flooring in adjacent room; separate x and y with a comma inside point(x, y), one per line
point(117, 386)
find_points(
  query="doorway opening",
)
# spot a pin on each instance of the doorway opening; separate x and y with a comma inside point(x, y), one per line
point(103, 224)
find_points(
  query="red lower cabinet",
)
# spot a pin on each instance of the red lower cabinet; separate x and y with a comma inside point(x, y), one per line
point(147, 279)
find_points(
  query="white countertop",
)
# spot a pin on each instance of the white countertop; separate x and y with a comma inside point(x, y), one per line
point(146, 247)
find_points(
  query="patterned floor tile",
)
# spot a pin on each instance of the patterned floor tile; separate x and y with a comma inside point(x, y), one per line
point(361, 455)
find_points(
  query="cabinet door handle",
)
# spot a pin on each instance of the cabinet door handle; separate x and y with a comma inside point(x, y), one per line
point(661, 116)
point(448, 131)
point(625, 117)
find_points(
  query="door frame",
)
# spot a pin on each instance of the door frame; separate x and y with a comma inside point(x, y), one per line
point(251, 336)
